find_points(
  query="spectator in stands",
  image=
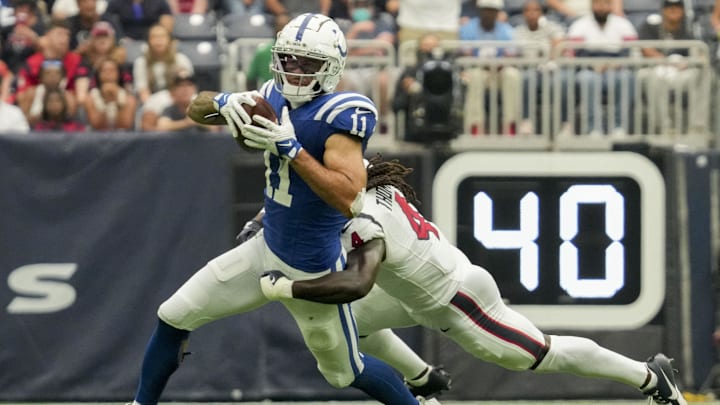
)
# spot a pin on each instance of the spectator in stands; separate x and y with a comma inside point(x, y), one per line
point(157, 103)
point(22, 39)
point(715, 18)
point(152, 71)
point(243, 7)
point(110, 105)
point(57, 48)
point(339, 10)
point(370, 81)
point(189, 6)
point(6, 79)
point(293, 8)
point(674, 76)
point(605, 33)
point(486, 27)
point(428, 94)
point(55, 114)
point(408, 83)
point(259, 70)
point(570, 10)
point(52, 77)
point(174, 117)
point(13, 119)
point(418, 17)
point(69, 8)
point(82, 23)
point(545, 32)
point(102, 45)
point(135, 18)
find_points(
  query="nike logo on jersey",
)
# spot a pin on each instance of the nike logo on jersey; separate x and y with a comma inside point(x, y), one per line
point(443, 330)
point(358, 111)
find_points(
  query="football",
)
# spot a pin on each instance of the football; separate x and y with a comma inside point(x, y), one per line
point(262, 108)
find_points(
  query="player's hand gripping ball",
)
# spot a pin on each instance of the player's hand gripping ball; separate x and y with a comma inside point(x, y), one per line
point(238, 109)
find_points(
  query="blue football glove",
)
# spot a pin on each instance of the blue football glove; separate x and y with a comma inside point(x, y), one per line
point(279, 139)
point(275, 285)
point(229, 105)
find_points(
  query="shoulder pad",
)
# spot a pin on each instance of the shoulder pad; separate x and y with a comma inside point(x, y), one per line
point(349, 112)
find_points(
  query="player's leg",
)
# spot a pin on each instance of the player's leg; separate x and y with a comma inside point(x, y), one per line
point(330, 332)
point(492, 331)
point(226, 285)
point(375, 314)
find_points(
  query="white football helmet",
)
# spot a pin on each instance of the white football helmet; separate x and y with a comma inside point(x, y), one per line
point(308, 57)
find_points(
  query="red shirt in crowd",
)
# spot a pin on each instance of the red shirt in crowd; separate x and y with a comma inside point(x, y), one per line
point(29, 74)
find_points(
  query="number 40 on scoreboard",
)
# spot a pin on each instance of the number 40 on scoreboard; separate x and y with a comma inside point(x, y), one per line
point(574, 240)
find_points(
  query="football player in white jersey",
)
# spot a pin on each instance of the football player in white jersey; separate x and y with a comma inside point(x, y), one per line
point(421, 279)
point(315, 181)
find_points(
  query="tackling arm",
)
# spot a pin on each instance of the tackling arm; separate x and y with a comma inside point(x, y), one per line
point(363, 265)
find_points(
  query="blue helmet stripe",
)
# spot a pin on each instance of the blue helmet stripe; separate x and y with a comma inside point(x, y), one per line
point(303, 26)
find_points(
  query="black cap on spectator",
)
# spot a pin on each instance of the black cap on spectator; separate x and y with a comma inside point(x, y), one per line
point(667, 3)
point(31, 3)
point(182, 76)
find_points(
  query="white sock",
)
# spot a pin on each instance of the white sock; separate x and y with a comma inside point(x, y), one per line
point(388, 347)
point(584, 357)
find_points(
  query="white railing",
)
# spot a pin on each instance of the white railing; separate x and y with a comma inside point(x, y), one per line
point(528, 96)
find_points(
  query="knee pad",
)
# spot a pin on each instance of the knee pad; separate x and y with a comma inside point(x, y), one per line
point(179, 313)
point(321, 339)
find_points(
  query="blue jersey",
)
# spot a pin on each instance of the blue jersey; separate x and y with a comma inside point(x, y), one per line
point(301, 228)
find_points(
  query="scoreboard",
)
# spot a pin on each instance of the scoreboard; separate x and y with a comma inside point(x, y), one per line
point(574, 240)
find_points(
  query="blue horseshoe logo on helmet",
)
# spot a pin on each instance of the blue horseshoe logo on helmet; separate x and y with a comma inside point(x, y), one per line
point(343, 52)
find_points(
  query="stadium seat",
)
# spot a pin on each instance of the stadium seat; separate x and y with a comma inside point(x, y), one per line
point(514, 7)
point(195, 27)
point(135, 49)
point(207, 62)
point(638, 10)
point(236, 26)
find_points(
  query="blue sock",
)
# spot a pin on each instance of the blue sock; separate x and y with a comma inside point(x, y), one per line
point(381, 382)
point(163, 355)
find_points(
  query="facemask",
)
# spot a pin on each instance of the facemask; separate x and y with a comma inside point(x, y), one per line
point(361, 14)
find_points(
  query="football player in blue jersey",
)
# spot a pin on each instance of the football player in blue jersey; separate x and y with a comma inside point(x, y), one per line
point(315, 181)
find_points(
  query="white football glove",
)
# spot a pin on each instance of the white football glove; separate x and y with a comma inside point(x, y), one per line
point(279, 139)
point(229, 105)
point(275, 285)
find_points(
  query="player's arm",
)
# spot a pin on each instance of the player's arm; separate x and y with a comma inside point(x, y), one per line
point(363, 265)
point(341, 180)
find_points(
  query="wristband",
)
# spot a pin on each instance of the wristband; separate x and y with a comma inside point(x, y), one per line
point(220, 100)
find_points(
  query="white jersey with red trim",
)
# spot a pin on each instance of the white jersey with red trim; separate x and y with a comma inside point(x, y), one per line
point(421, 268)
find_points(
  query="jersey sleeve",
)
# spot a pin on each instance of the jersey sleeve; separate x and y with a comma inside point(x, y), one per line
point(360, 230)
point(350, 113)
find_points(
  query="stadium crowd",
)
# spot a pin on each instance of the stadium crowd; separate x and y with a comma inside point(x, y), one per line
point(97, 65)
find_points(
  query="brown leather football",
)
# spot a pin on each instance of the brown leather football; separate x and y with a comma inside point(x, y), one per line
point(262, 108)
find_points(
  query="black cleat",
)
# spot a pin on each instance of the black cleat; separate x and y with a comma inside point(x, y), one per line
point(438, 381)
point(666, 391)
